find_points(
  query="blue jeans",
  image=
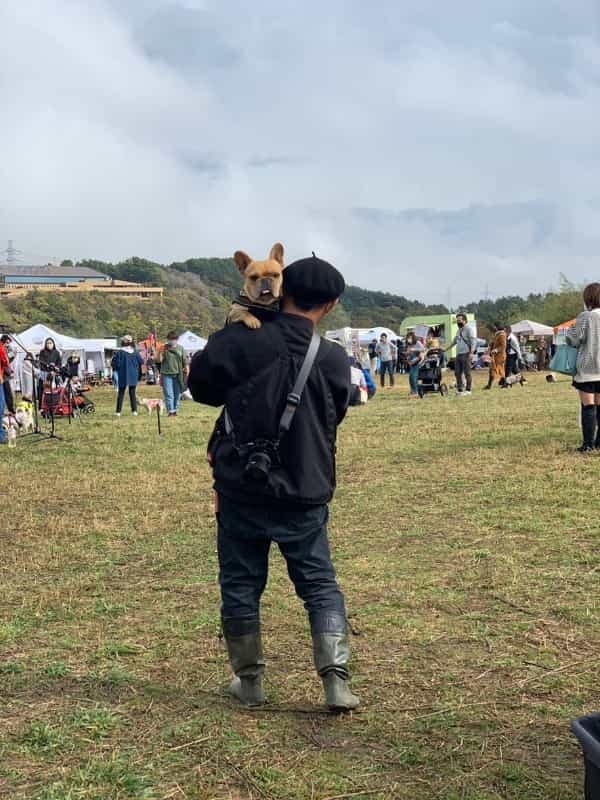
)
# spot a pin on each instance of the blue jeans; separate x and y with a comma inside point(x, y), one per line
point(245, 534)
point(3, 436)
point(386, 366)
point(413, 377)
point(171, 391)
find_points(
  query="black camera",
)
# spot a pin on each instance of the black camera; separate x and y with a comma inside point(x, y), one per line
point(260, 457)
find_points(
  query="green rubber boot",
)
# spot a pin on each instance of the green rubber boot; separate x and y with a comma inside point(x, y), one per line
point(246, 657)
point(331, 654)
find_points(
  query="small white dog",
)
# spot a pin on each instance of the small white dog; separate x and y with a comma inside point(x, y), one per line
point(151, 403)
point(24, 419)
point(9, 423)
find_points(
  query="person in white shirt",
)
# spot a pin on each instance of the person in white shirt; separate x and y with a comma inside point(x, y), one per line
point(514, 358)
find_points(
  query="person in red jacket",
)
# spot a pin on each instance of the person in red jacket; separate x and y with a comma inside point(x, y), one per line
point(4, 368)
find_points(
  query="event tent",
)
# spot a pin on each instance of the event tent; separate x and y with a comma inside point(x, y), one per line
point(191, 343)
point(90, 351)
point(528, 328)
point(561, 330)
point(346, 336)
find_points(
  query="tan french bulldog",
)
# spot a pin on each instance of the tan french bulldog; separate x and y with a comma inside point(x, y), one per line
point(262, 285)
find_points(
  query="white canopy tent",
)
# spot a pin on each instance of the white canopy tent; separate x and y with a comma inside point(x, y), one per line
point(191, 343)
point(528, 328)
point(90, 351)
point(346, 336)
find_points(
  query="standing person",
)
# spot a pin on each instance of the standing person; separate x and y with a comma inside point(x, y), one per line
point(514, 357)
point(9, 399)
point(280, 493)
point(541, 354)
point(173, 370)
point(585, 336)
point(50, 362)
point(466, 347)
point(127, 363)
point(400, 362)
point(373, 356)
point(387, 357)
point(415, 353)
point(4, 367)
point(498, 354)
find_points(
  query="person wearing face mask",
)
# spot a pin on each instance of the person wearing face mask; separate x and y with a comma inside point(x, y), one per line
point(466, 347)
point(173, 370)
point(50, 362)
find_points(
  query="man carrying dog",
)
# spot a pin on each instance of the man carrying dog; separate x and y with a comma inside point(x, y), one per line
point(273, 483)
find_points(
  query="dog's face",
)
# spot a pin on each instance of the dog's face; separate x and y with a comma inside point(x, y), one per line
point(262, 279)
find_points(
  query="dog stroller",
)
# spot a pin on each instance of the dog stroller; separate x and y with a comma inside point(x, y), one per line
point(430, 374)
point(56, 402)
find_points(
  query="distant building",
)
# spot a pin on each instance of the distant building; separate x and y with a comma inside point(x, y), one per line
point(17, 279)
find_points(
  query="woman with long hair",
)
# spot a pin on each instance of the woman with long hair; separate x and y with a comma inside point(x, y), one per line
point(498, 354)
point(415, 353)
point(585, 336)
point(50, 362)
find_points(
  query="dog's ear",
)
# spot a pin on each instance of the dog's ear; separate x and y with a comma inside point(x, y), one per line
point(276, 253)
point(242, 260)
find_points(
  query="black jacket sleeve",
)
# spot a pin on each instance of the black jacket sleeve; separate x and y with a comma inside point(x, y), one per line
point(211, 373)
point(336, 369)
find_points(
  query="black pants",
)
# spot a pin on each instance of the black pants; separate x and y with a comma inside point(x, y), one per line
point(132, 398)
point(512, 365)
point(386, 366)
point(245, 534)
point(8, 396)
point(462, 367)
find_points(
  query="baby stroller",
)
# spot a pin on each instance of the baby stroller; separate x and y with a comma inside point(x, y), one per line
point(82, 403)
point(430, 374)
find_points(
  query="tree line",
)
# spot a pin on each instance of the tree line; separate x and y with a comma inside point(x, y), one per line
point(197, 294)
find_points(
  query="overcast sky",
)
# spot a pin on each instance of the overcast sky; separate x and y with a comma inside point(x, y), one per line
point(432, 148)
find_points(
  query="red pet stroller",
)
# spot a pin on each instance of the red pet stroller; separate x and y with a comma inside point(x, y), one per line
point(56, 402)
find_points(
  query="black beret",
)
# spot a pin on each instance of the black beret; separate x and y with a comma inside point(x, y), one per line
point(312, 280)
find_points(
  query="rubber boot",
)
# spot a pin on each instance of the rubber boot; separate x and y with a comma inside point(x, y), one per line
point(588, 427)
point(331, 653)
point(247, 662)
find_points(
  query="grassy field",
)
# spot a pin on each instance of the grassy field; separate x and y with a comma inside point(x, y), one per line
point(465, 534)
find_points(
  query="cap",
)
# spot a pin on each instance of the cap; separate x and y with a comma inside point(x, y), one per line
point(312, 280)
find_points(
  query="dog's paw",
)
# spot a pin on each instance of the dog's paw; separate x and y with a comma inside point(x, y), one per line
point(250, 321)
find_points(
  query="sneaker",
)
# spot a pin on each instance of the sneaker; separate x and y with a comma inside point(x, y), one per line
point(117, 413)
point(585, 448)
point(467, 392)
point(134, 413)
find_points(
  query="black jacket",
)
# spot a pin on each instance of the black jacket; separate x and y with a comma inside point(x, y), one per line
point(252, 372)
point(49, 358)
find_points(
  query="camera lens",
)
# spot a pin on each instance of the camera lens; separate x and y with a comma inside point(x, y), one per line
point(258, 467)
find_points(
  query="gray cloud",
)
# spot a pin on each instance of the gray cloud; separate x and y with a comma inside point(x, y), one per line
point(420, 149)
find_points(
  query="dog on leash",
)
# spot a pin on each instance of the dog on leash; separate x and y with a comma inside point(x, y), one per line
point(150, 403)
point(263, 281)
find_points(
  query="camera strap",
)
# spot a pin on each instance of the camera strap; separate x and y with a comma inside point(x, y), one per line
point(293, 399)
